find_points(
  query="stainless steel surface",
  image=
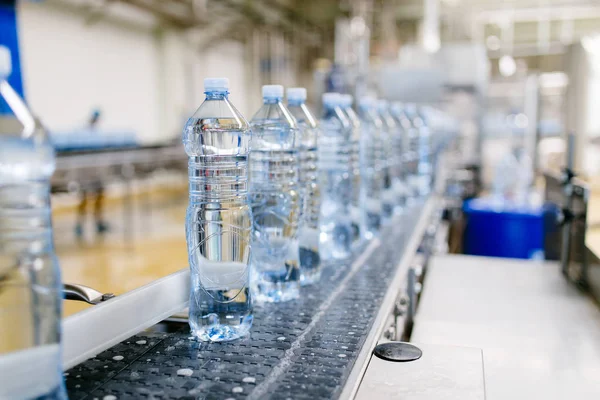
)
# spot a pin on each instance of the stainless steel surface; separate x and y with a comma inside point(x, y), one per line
point(538, 333)
point(85, 293)
point(353, 382)
point(442, 373)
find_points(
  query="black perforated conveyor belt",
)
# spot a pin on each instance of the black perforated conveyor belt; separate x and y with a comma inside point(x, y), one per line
point(298, 350)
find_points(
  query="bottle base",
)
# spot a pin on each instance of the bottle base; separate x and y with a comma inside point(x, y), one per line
point(400, 209)
point(217, 332)
point(310, 266)
point(275, 292)
point(310, 277)
point(337, 257)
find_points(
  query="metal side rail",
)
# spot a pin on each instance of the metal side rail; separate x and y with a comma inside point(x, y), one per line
point(317, 347)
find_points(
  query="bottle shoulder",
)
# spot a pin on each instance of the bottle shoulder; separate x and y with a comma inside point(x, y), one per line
point(273, 114)
point(303, 116)
point(218, 114)
point(25, 159)
point(336, 120)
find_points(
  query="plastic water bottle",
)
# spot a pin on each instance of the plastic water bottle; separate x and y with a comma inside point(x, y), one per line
point(370, 167)
point(308, 231)
point(335, 179)
point(218, 225)
point(30, 283)
point(395, 145)
point(422, 147)
point(275, 200)
point(411, 156)
point(400, 144)
point(388, 160)
point(432, 118)
point(355, 213)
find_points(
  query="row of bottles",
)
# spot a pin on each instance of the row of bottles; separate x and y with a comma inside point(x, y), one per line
point(270, 202)
point(274, 199)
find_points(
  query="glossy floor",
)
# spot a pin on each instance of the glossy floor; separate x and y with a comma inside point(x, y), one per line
point(146, 241)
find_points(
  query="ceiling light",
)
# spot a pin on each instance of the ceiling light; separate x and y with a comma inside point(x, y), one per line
point(492, 42)
point(507, 65)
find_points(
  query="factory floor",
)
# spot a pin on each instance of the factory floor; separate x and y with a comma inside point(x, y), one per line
point(146, 241)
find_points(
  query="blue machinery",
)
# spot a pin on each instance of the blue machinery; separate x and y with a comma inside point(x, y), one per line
point(9, 38)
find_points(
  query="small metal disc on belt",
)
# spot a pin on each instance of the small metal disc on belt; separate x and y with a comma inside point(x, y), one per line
point(397, 351)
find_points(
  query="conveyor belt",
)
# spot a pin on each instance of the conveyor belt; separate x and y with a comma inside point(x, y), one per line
point(302, 350)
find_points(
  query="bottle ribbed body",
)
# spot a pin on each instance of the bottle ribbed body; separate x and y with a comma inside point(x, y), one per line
point(276, 203)
point(371, 176)
point(218, 220)
point(355, 176)
point(335, 167)
point(411, 161)
point(309, 189)
point(420, 160)
point(309, 182)
point(425, 167)
point(388, 198)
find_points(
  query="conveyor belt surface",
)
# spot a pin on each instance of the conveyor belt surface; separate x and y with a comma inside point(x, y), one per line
point(300, 350)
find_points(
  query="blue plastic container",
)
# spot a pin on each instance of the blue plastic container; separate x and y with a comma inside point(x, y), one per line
point(503, 229)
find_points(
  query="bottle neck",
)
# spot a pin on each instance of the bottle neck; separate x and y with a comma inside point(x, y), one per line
point(216, 95)
point(329, 111)
point(295, 103)
point(271, 100)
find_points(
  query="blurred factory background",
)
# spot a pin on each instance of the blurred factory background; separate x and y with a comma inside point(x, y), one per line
point(115, 80)
point(140, 63)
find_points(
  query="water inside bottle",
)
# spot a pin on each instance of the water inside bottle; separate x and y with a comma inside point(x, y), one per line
point(218, 226)
point(275, 201)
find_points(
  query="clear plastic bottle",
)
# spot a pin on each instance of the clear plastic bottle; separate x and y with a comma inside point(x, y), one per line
point(370, 167)
point(308, 231)
point(421, 145)
point(411, 157)
point(217, 141)
point(275, 200)
point(355, 212)
point(400, 144)
point(30, 282)
point(335, 180)
point(388, 160)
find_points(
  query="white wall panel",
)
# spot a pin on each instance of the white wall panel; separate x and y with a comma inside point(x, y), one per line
point(71, 67)
point(143, 81)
